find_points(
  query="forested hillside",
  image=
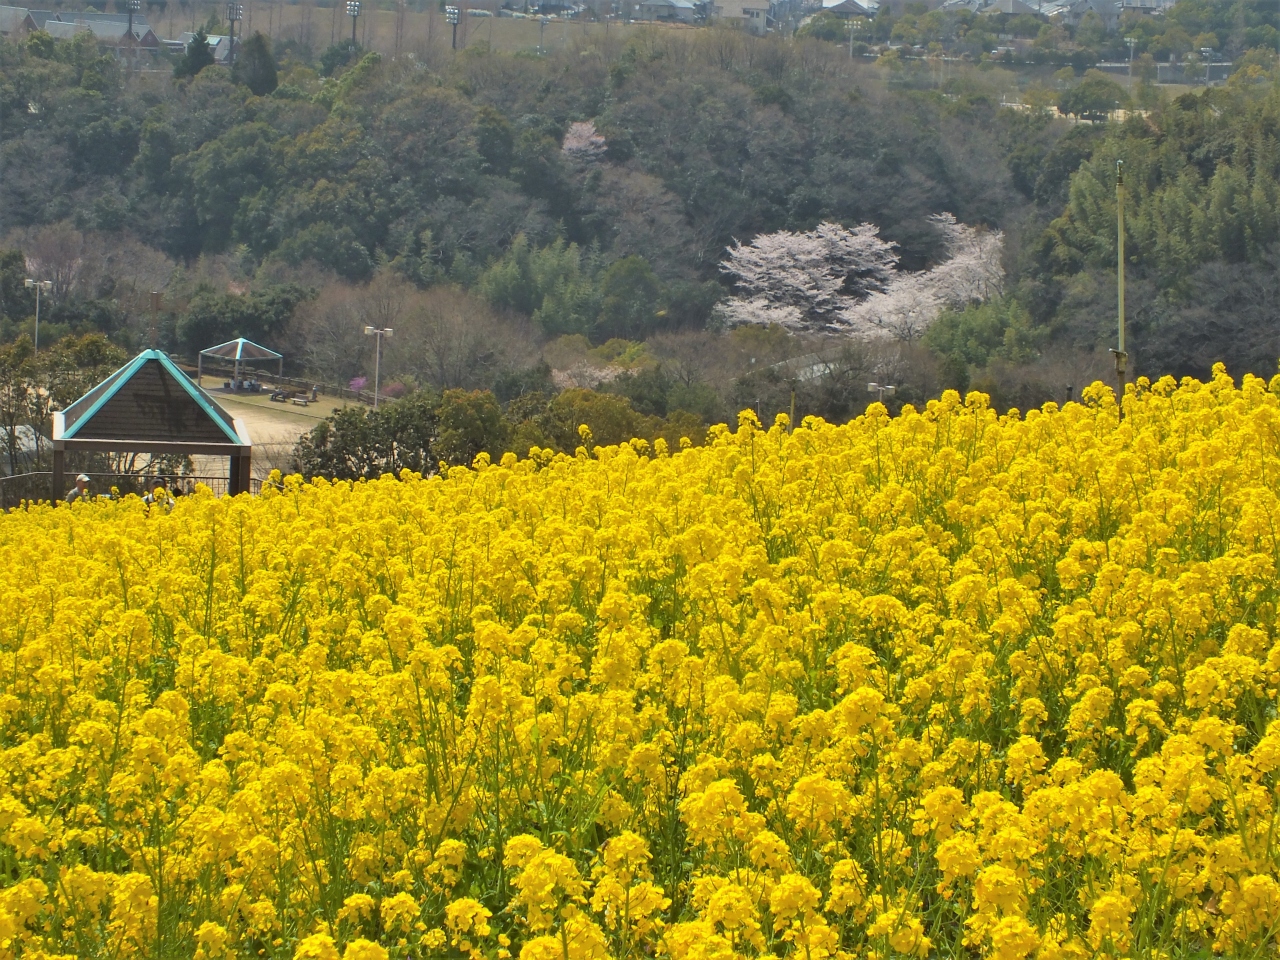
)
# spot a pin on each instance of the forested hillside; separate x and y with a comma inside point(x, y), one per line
point(531, 223)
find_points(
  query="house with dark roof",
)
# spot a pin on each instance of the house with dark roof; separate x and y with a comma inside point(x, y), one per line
point(41, 17)
point(671, 11)
point(16, 22)
point(851, 8)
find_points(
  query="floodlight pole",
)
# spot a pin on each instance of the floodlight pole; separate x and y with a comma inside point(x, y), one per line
point(134, 7)
point(40, 286)
point(1121, 356)
point(451, 16)
point(881, 390)
point(353, 11)
point(377, 358)
point(235, 12)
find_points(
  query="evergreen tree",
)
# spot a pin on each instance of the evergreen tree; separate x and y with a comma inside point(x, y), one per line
point(197, 57)
point(256, 67)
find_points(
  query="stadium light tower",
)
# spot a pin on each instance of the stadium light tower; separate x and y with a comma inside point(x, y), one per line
point(235, 13)
point(353, 11)
point(451, 14)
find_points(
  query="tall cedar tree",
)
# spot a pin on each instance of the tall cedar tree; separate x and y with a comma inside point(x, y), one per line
point(256, 67)
point(197, 57)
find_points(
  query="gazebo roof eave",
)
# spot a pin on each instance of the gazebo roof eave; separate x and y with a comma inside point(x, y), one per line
point(230, 427)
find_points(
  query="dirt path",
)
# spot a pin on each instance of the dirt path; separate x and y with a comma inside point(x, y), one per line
point(274, 428)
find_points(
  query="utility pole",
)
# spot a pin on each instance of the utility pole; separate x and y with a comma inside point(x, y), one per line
point(1121, 356)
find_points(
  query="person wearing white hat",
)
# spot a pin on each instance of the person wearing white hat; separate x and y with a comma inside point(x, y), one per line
point(81, 490)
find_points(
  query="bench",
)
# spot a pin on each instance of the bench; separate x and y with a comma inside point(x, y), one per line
point(302, 401)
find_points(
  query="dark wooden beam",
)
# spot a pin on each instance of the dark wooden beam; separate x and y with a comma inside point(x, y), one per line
point(156, 447)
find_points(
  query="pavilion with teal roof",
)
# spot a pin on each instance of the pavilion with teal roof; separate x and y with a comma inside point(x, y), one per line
point(151, 406)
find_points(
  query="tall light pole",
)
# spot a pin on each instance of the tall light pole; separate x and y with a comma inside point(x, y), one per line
point(353, 11)
point(881, 390)
point(377, 357)
point(235, 13)
point(40, 286)
point(134, 7)
point(451, 15)
point(542, 26)
point(1121, 356)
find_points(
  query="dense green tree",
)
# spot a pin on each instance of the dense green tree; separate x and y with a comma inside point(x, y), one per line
point(1095, 95)
point(631, 304)
point(360, 443)
point(999, 328)
point(255, 66)
point(212, 318)
point(197, 56)
point(15, 300)
point(471, 423)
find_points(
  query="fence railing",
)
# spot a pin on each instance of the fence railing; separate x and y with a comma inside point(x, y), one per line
point(295, 383)
point(36, 487)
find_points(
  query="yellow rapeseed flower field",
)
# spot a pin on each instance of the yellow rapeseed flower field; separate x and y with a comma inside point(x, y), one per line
point(946, 684)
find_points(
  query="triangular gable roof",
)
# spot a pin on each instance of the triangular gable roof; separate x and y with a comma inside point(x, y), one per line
point(13, 18)
point(241, 349)
point(149, 399)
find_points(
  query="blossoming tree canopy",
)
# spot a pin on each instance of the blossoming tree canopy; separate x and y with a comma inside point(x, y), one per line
point(847, 282)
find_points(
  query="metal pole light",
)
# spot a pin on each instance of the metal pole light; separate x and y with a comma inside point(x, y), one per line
point(542, 26)
point(40, 286)
point(377, 357)
point(134, 7)
point(451, 14)
point(353, 11)
point(1132, 42)
point(881, 390)
point(235, 13)
point(1121, 356)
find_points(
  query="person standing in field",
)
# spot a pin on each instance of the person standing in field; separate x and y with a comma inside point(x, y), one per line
point(80, 491)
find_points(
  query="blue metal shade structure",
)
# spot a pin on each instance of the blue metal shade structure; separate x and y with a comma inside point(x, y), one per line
point(151, 406)
point(238, 351)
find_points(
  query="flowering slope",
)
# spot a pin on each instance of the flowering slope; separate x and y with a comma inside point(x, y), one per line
point(947, 684)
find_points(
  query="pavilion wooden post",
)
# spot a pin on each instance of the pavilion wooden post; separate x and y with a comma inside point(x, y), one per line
point(238, 482)
point(59, 469)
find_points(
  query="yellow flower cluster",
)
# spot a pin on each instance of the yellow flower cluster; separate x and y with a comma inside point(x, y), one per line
point(950, 683)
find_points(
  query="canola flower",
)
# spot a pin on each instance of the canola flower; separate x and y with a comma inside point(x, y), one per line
point(945, 684)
